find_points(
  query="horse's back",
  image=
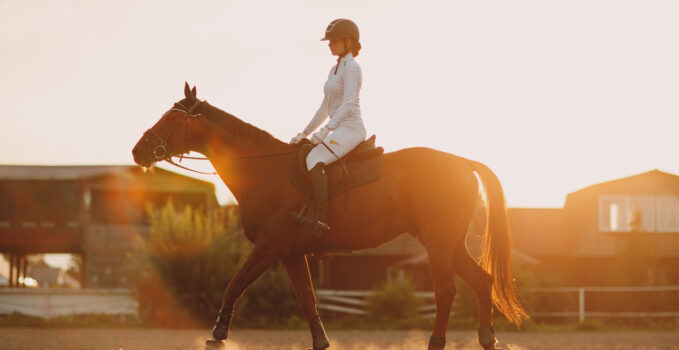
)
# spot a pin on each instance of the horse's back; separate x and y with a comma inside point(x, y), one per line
point(441, 182)
point(423, 162)
point(418, 186)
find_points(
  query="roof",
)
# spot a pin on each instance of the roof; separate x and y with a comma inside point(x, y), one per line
point(650, 181)
point(158, 176)
point(58, 172)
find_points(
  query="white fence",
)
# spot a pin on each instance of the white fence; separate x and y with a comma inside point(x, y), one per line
point(581, 313)
point(353, 302)
point(49, 303)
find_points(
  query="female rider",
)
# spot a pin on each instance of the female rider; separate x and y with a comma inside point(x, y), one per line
point(345, 129)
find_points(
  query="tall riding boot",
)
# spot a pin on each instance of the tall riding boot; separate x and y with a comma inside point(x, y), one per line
point(319, 184)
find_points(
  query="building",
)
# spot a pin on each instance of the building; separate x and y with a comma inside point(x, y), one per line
point(620, 232)
point(91, 211)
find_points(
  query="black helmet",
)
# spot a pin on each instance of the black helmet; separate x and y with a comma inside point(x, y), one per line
point(341, 28)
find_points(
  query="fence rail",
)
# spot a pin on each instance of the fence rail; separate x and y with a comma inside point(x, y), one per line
point(582, 313)
point(353, 302)
point(49, 303)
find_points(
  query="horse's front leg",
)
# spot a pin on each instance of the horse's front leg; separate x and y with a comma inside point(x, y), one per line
point(298, 269)
point(261, 258)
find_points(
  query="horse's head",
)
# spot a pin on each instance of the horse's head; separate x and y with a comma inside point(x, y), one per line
point(170, 135)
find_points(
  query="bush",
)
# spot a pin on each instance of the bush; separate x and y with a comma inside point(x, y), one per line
point(184, 265)
point(394, 305)
point(269, 303)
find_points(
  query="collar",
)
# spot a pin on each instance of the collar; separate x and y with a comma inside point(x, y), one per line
point(345, 58)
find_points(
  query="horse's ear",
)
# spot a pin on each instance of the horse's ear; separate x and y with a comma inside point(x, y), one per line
point(187, 90)
point(193, 92)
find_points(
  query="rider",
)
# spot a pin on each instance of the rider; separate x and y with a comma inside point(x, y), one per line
point(345, 129)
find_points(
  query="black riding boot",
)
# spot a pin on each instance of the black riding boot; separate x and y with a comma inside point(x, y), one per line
point(319, 184)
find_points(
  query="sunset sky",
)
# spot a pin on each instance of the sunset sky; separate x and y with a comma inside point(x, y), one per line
point(552, 95)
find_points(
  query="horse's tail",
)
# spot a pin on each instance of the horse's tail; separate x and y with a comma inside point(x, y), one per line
point(496, 256)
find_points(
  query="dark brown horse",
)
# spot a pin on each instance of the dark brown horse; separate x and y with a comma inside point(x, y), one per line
point(428, 193)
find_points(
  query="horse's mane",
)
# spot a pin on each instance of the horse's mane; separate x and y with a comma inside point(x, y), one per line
point(233, 124)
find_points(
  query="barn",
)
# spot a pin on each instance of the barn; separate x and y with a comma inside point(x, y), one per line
point(93, 212)
point(620, 232)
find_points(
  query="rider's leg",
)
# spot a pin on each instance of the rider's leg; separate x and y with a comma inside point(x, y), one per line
point(319, 184)
point(336, 145)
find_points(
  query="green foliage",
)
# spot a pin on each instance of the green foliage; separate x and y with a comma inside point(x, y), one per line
point(269, 302)
point(185, 263)
point(394, 305)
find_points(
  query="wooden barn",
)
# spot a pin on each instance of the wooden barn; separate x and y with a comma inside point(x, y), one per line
point(620, 232)
point(92, 211)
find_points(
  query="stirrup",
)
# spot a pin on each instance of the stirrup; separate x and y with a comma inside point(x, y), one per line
point(315, 225)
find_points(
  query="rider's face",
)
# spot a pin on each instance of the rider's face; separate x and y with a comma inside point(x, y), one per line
point(337, 47)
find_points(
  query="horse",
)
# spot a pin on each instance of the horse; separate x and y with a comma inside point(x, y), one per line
point(428, 193)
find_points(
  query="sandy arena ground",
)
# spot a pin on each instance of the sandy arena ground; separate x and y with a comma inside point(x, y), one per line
point(163, 339)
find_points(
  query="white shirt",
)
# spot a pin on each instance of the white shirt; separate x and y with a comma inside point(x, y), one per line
point(341, 100)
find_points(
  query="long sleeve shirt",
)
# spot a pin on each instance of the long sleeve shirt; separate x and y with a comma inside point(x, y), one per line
point(341, 100)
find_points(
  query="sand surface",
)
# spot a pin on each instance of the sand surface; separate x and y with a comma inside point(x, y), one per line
point(164, 339)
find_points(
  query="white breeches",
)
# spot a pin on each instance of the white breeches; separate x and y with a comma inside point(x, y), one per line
point(341, 140)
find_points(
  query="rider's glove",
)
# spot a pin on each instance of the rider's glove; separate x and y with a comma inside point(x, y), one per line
point(320, 135)
point(297, 139)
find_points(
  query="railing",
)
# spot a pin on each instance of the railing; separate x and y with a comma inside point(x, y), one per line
point(582, 313)
point(49, 303)
point(353, 302)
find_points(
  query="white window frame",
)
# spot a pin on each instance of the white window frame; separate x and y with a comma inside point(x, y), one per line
point(605, 202)
point(660, 228)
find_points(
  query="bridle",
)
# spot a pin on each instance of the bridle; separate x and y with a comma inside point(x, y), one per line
point(162, 151)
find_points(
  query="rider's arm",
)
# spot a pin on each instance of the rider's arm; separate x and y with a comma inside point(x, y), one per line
point(349, 106)
point(319, 117)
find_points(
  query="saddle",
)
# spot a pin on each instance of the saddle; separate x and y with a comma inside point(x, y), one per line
point(360, 166)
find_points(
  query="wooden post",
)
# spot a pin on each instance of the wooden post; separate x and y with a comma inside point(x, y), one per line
point(581, 304)
point(11, 270)
point(24, 267)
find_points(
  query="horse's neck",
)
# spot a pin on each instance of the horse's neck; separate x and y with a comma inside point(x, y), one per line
point(238, 151)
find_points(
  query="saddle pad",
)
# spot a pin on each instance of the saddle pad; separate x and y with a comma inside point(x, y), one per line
point(362, 167)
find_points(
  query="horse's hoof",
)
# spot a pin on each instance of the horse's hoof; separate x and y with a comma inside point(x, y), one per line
point(215, 344)
point(219, 333)
point(487, 338)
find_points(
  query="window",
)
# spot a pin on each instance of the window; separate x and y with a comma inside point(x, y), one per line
point(619, 213)
point(611, 213)
point(667, 213)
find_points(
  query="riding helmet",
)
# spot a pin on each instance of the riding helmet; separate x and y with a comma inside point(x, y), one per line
point(341, 28)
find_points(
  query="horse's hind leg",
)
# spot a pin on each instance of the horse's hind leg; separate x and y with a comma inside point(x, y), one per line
point(441, 266)
point(298, 270)
point(481, 283)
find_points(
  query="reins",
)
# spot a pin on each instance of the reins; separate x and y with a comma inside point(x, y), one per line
point(166, 155)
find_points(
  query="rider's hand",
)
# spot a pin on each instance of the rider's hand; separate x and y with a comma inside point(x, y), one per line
point(320, 135)
point(297, 139)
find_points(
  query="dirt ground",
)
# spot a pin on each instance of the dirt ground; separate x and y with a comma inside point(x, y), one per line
point(163, 339)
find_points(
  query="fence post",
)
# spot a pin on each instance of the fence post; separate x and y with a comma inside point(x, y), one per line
point(581, 304)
